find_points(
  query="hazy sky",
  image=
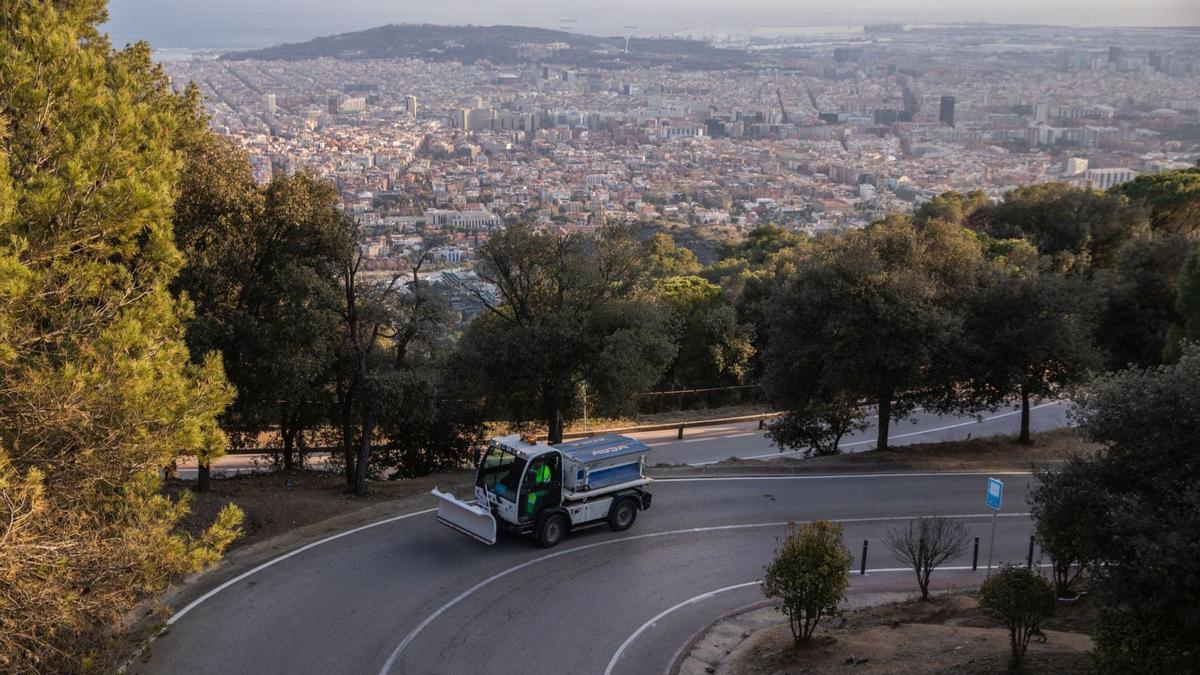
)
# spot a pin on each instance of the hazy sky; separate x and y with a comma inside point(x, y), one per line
point(234, 23)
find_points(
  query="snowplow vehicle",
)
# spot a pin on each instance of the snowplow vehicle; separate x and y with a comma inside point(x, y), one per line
point(547, 491)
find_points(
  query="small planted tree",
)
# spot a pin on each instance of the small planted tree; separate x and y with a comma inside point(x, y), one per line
point(925, 544)
point(809, 575)
point(1067, 506)
point(1020, 600)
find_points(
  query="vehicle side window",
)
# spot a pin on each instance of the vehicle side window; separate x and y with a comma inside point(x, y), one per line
point(543, 481)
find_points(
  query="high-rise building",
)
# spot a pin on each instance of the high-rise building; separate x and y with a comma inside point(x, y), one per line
point(886, 116)
point(479, 119)
point(459, 118)
point(271, 105)
point(1102, 179)
point(410, 105)
point(946, 111)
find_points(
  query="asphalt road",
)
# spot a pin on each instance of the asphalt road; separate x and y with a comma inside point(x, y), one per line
point(411, 596)
point(706, 445)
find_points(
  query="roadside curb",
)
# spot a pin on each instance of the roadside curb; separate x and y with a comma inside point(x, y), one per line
point(743, 624)
point(685, 650)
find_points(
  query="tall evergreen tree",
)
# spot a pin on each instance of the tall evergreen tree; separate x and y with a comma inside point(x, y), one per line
point(873, 315)
point(97, 392)
point(569, 310)
point(1172, 197)
point(262, 270)
point(1078, 228)
point(1187, 305)
point(1028, 333)
point(715, 349)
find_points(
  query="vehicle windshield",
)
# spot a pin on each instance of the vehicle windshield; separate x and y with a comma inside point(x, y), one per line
point(500, 473)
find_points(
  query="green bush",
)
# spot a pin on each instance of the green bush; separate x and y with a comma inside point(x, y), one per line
point(1019, 599)
point(1067, 506)
point(809, 575)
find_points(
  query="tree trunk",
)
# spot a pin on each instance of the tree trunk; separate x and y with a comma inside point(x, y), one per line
point(555, 425)
point(559, 397)
point(348, 455)
point(346, 405)
point(885, 420)
point(203, 481)
point(289, 443)
point(364, 454)
point(554, 416)
point(1025, 416)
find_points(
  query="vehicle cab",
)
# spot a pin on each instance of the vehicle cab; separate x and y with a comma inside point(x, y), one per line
point(518, 480)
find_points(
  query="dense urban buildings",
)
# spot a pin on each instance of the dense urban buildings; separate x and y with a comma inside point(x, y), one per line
point(823, 133)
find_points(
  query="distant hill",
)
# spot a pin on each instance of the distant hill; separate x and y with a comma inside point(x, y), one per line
point(501, 45)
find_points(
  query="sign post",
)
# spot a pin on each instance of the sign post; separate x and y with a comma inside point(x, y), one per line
point(995, 494)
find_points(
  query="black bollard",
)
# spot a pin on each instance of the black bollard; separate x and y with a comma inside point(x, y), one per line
point(975, 556)
point(1029, 560)
point(863, 568)
point(681, 431)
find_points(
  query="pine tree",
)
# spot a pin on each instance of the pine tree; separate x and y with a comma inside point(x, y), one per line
point(97, 393)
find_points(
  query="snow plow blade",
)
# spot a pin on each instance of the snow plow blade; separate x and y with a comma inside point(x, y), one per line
point(476, 522)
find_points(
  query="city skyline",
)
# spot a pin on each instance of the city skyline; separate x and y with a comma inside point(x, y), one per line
point(223, 24)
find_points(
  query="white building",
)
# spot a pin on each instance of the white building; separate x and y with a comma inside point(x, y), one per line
point(353, 105)
point(1102, 179)
point(471, 219)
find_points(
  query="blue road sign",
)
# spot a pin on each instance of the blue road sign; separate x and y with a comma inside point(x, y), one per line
point(995, 493)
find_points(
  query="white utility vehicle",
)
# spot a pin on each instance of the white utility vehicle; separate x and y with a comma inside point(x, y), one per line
point(548, 490)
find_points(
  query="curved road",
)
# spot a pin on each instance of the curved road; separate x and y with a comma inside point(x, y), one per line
point(708, 445)
point(411, 596)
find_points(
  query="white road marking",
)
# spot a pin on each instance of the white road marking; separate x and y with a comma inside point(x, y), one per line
point(641, 629)
point(913, 433)
point(408, 639)
point(713, 438)
point(193, 604)
point(827, 476)
point(612, 663)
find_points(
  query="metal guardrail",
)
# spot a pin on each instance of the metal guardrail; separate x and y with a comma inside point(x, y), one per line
point(680, 426)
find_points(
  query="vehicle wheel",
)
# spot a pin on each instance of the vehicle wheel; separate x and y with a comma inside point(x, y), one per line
point(623, 514)
point(552, 530)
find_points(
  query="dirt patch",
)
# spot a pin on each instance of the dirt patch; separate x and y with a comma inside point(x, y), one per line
point(278, 503)
point(995, 453)
point(949, 634)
